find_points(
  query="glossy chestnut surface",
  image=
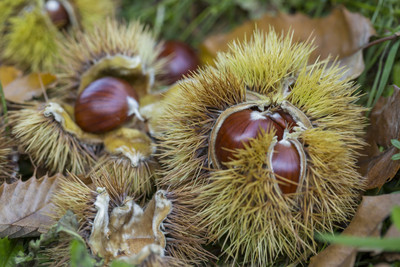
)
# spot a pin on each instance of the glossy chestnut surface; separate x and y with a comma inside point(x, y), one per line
point(104, 105)
point(182, 60)
point(238, 128)
point(286, 163)
point(57, 13)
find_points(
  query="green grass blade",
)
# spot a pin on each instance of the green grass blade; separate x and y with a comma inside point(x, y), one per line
point(387, 70)
point(387, 244)
point(372, 93)
point(396, 216)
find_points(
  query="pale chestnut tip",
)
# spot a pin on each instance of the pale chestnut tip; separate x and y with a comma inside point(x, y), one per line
point(238, 125)
point(57, 13)
point(106, 104)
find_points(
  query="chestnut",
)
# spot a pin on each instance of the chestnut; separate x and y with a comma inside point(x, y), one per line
point(182, 60)
point(57, 13)
point(243, 125)
point(286, 163)
point(236, 128)
point(105, 104)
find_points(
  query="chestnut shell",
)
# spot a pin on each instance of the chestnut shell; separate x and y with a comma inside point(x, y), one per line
point(57, 13)
point(286, 163)
point(238, 129)
point(239, 124)
point(103, 105)
point(183, 59)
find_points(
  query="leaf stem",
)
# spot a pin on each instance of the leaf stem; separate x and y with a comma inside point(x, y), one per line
point(381, 40)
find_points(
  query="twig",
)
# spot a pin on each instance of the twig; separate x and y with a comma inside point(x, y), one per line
point(378, 41)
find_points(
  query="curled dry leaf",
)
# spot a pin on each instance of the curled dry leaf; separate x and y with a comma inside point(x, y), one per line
point(25, 205)
point(341, 34)
point(376, 166)
point(370, 214)
point(25, 88)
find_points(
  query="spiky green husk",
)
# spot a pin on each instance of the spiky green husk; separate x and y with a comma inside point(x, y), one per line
point(91, 12)
point(141, 177)
point(30, 39)
point(7, 166)
point(48, 144)
point(8, 8)
point(185, 239)
point(240, 205)
point(106, 40)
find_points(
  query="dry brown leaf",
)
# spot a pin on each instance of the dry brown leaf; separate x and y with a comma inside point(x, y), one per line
point(370, 214)
point(341, 34)
point(8, 74)
point(377, 166)
point(392, 232)
point(28, 86)
point(24, 206)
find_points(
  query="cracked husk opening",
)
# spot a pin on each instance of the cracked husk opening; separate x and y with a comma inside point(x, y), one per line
point(128, 231)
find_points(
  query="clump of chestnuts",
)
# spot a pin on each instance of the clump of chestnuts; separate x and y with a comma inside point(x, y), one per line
point(93, 112)
point(31, 31)
point(236, 126)
point(267, 147)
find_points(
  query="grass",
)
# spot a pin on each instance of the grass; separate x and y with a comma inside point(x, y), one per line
point(191, 21)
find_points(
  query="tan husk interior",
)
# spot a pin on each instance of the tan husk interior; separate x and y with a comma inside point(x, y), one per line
point(128, 229)
point(130, 69)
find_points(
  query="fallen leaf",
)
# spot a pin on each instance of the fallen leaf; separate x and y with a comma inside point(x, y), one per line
point(376, 166)
point(341, 34)
point(8, 74)
point(392, 232)
point(370, 214)
point(28, 86)
point(25, 206)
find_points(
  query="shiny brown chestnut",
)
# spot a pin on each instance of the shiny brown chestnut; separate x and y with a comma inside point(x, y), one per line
point(286, 163)
point(182, 60)
point(105, 104)
point(57, 13)
point(238, 126)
